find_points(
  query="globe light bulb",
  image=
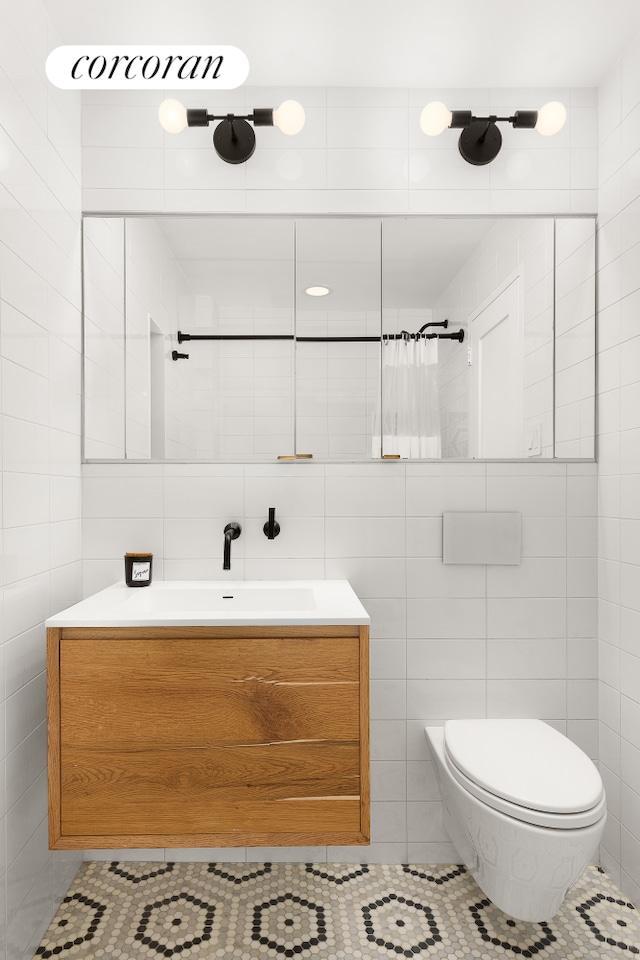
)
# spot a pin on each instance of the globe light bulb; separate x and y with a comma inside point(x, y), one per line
point(172, 116)
point(289, 117)
point(319, 290)
point(551, 118)
point(434, 118)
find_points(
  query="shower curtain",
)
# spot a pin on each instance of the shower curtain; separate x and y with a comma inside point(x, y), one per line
point(408, 410)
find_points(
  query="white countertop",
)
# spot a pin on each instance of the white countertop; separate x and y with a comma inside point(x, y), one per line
point(217, 603)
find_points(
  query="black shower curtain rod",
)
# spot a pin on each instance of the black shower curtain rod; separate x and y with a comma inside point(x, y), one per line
point(403, 335)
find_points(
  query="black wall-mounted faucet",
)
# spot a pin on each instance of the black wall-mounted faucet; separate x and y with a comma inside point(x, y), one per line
point(231, 532)
point(272, 527)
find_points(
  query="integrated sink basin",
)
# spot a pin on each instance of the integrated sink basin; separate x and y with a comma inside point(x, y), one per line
point(203, 603)
point(193, 598)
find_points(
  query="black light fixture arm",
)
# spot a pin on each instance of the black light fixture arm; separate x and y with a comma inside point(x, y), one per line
point(483, 135)
point(522, 119)
point(200, 117)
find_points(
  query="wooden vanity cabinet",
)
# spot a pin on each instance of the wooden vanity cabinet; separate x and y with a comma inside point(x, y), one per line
point(208, 736)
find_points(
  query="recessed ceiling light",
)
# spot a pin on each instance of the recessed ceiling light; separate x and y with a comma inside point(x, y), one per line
point(318, 291)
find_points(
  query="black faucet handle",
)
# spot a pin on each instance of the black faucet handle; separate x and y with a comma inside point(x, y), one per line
point(232, 530)
point(271, 528)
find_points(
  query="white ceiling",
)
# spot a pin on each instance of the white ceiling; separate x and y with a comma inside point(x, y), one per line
point(374, 43)
point(248, 263)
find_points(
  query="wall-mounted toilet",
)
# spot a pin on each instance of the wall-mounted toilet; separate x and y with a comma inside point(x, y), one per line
point(524, 806)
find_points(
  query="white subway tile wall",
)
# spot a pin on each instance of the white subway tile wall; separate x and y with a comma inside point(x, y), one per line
point(40, 350)
point(619, 467)
point(361, 151)
point(458, 641)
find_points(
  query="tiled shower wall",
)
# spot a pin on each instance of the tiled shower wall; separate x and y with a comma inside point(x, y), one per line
point(619, 466)
point(447, 641)
point(40, 343)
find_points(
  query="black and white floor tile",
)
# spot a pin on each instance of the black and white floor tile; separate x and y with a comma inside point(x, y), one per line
point(273, 911)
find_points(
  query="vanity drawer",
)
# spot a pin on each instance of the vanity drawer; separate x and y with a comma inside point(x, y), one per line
point(180, 739)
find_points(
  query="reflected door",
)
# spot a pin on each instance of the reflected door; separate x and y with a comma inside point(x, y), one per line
point(496, 376)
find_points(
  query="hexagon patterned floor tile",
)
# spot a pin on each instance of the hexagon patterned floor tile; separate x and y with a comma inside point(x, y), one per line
point(272, 911)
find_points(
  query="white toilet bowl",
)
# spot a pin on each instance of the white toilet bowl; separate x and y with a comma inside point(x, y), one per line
point(524, 806)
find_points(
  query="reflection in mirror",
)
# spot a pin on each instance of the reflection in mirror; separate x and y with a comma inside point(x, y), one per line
point(214, 277)
point(575, 360)
point(493, 279)
point(233, 398)
point(104, 341)
point(487, 327)
point(337, 375)
point(522, 290)
point(425, 388)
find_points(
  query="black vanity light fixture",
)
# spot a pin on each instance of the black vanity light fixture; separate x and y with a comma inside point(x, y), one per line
point(233, 138)
point(480, 140)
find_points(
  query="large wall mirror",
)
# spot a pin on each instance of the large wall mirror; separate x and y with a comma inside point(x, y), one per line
point(338, 338)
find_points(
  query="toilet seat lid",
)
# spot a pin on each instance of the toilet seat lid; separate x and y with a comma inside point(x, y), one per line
point(526, 762)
